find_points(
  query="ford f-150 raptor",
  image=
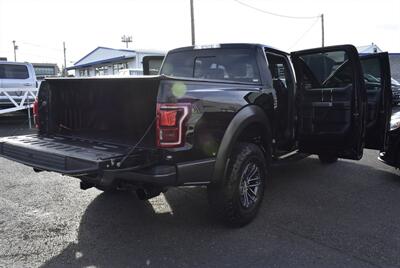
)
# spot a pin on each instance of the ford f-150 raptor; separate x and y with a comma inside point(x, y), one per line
point(216, 116)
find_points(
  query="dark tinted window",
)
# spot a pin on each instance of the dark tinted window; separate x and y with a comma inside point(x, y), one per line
point(217, 64)
point(13, 71)
point(372, 71)
point(372, 78)
point(329, 69)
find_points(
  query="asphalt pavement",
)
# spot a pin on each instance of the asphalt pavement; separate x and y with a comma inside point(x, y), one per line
point(345, 214)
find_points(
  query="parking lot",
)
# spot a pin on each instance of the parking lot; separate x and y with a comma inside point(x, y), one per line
point(313, 215)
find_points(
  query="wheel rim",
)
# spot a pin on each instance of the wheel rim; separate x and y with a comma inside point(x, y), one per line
point(250, 184)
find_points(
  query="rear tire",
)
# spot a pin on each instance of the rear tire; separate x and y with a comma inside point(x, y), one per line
point(327, 159)
point(237, 199)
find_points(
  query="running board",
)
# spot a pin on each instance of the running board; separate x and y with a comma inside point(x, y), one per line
point(288, 158)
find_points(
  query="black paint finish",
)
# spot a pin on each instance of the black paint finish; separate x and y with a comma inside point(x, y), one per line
point(119, 110)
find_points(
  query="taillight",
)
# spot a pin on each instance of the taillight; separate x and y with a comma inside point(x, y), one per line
point(36, 112)
point(171, 124)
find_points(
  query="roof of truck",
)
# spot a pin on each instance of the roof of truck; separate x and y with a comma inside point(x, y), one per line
point(225, 45)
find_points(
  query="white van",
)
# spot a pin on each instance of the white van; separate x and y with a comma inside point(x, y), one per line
point(15, 77)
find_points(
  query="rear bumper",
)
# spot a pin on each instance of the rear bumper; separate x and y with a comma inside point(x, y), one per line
point(188, 173)
point(96, 162)
point(158, 175)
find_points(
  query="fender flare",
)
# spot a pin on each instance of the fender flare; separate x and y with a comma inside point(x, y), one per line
point(244, 118)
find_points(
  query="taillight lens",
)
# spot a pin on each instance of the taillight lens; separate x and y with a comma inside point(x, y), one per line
point(171, 124)
point(36, 112)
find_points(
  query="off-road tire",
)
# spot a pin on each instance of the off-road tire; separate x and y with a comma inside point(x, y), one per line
point(226, 198)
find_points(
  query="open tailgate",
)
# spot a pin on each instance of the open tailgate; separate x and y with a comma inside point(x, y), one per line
point(67, 155)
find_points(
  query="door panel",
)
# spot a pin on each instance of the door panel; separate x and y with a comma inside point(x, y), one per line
point(376, 72)
point(331, 101)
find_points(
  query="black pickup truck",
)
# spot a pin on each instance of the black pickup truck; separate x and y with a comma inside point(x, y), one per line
point(216, 116)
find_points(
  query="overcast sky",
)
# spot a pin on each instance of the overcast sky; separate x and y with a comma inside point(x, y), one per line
point(39, 27)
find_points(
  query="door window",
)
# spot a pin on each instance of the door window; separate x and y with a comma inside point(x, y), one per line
point(326, 70)
point(376, 74)
point(330, 98)
point(372, 79)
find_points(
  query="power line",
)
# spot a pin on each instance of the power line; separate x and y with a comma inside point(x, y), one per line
point(291, 17)
point(303, 35)
point(275, 14)
point(40, 56)
point(40, 46)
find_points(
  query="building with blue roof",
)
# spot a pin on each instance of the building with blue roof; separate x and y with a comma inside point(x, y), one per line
point(109, 61)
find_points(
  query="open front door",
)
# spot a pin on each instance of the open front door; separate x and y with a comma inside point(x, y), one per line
point(330, 101)
point(376, 70)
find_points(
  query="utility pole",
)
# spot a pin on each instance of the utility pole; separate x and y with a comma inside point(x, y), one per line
point(126, 39)
point(65, 60)
point(15, 47)
point(192, 22)
point(323, 30)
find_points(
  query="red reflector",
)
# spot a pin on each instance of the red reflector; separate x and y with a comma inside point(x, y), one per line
point(35, 110)
point(168, 118)
point(35, 107)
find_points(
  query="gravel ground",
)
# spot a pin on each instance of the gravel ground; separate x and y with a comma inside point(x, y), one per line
point(342, 215)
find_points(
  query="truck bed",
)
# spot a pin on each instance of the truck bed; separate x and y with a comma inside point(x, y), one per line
point(68, 154)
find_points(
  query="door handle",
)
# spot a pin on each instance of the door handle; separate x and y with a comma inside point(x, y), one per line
point(27, 84)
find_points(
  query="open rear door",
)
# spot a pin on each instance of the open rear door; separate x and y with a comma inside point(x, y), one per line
point(331, 101)
point(376, 70)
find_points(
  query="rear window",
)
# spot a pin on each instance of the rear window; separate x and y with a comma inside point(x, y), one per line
point(216, 64)
point(13, 71)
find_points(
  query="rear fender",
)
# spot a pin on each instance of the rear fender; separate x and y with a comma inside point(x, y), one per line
point(245, 117)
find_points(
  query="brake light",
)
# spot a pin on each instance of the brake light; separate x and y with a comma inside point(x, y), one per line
point(36, 112)
point(171, 124)
point(168, 118)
